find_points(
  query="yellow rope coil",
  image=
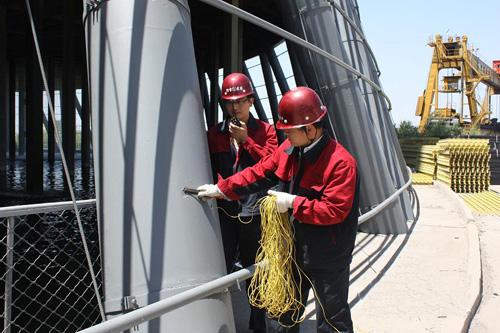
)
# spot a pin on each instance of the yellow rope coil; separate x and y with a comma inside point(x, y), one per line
point(273, 287)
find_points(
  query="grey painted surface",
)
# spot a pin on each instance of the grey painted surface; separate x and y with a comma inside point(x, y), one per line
point(361, 59)
point(150, 142)
point(315, 21)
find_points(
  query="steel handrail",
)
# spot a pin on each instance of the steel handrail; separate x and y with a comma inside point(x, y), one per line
point(371, 213)
point(48, 207)
point(154, 310)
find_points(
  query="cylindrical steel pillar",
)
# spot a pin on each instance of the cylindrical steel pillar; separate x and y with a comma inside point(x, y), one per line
point(315, 21)
point(51, 142)
point(149, 143)
point(257, 104)
point(271, 91)
point(12, 111)
point(213, 75)
point(34, 113)
point(21, 130)
point(269, 82)
point(298, 72)
point(4, 109)
point(85, 116)
point(233, 42)
point(68, 114)
point(362, 59)
point(278, 72)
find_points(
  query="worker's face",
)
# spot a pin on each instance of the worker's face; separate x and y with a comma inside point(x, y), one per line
point(239, 108)
point(299, 137)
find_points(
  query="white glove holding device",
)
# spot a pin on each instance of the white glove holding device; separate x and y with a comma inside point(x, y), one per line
point(209, 191)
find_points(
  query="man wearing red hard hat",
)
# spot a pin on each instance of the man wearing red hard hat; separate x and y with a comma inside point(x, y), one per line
point(318, 185)
point(238, 142)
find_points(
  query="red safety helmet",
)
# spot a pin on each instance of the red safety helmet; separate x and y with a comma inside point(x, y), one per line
point(300, 107)
point(236, 86)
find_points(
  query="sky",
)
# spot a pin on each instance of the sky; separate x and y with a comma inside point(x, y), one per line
point(398, 32)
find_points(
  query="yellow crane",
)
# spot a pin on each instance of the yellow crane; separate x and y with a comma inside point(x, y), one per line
point(454, 54)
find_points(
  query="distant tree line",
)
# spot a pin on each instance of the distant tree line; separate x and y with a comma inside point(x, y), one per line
point(434, 129)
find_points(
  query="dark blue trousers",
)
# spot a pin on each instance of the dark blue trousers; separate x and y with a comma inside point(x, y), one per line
point(332, 287)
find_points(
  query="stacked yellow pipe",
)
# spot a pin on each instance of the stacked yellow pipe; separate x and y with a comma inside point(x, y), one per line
point(426, 160)
point(421, 179)
point(483, 203)
point(412, 149)
point(463, 164)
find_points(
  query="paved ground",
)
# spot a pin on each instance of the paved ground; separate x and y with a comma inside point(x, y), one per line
point(487, 318)
point(425, 281)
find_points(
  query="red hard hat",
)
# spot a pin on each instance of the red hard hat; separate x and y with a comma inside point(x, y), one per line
point(299, 107)
point(236, 86)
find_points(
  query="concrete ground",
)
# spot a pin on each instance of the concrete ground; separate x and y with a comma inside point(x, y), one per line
point(487, 318)
point(426, 281)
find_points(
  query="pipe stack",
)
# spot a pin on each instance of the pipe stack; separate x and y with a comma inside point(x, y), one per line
point(463, 164)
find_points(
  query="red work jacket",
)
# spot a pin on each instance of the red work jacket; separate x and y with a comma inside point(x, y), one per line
point(329, 178)
point(226, 160)
point(325, 210)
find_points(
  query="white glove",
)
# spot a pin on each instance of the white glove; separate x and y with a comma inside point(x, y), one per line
point(209, 191)
point(283, 200)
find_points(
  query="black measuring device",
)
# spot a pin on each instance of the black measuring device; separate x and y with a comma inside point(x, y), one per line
point(189, 190)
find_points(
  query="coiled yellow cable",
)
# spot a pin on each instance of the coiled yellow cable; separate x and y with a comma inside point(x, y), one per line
point(273, 287)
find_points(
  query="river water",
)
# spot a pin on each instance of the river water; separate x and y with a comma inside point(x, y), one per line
point(53, 184)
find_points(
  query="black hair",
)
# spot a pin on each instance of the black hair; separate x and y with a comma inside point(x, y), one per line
point(320, 124)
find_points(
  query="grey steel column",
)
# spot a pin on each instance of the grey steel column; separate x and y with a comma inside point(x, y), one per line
point(363, 61)
point(12, 111)
point(4, 109)
point(315, 21)
point(149, 143)
point(51, 142)
point(268, 80)
point(278, 72)
point(233, 42)
point(257, 103)
point(21, 131)
point(68, 113)
point(298, 73)
point(34, 114)
point(85, 116)
point(213, 75)
point(271, 91)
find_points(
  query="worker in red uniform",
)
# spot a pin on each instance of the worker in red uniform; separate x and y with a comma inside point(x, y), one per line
point(318, 185)
point(236, 143)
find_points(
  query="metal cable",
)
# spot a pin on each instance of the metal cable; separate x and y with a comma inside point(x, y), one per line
point(358, 31)
point(63, 158)
point(246, 16)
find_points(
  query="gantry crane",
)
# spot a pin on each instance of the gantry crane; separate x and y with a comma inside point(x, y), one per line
point(454, 54)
